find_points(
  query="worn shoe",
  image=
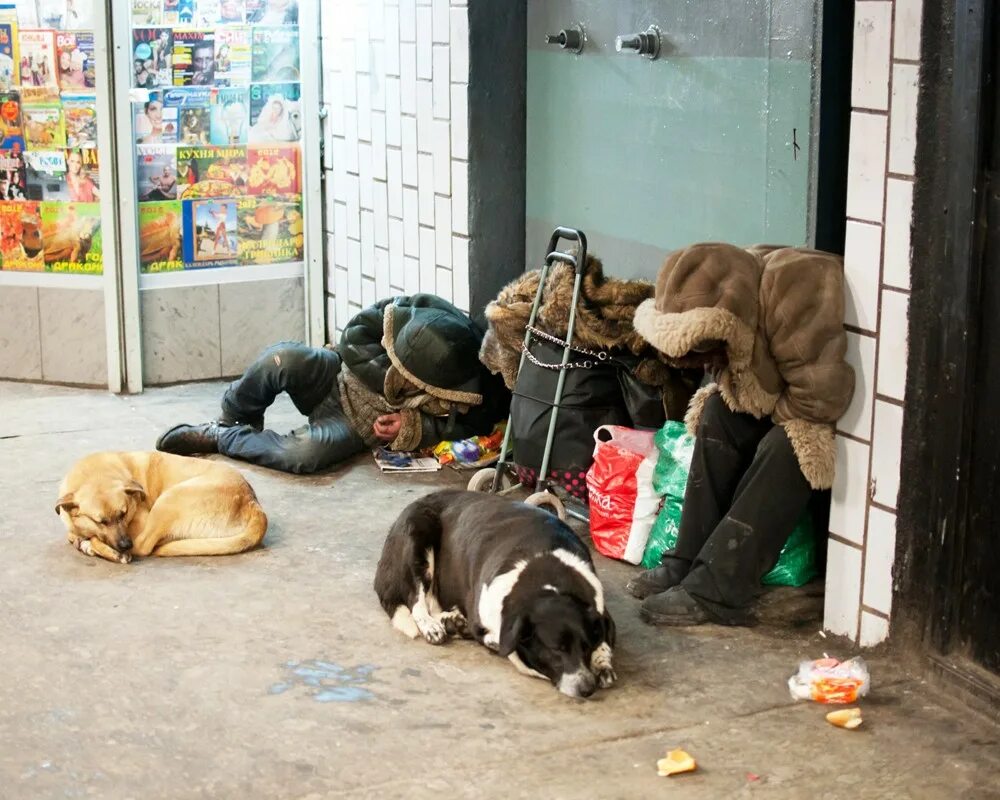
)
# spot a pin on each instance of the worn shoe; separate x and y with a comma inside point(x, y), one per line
point(656, 580)
point(189, 440)
point(673, 607)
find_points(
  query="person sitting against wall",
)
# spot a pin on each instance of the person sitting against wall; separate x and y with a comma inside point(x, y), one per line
point(767, 323)
point(406, 374)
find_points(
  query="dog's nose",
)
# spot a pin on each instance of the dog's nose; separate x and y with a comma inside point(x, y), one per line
point(124, 543)
point(587, 689)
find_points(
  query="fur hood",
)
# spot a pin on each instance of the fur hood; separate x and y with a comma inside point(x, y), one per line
point(777, 315)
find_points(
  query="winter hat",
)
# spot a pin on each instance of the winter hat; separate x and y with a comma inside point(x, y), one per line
point(435, 349)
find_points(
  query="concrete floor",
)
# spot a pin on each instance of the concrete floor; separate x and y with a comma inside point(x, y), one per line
point(274, 674)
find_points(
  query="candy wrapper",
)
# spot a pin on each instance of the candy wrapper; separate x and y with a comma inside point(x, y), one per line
point(479, 451)
point(828, 680)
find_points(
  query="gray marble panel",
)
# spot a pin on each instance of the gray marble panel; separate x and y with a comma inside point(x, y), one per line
point(180, 334)
point(256, 314)
point(74, 339)
point(20, 341)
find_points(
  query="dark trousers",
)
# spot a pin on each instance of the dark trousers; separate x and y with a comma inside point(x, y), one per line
point(309, 376)
point(744, 495)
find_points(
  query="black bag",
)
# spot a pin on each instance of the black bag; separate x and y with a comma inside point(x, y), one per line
point(596, 392)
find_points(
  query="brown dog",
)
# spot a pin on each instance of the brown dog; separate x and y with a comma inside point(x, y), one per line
point(116, 505)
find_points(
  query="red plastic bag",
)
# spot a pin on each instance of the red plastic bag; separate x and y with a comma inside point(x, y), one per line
point(623, 503)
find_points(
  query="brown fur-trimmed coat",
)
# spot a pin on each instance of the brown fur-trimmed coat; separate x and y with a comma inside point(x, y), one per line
point(603, 322)
point(778, 313)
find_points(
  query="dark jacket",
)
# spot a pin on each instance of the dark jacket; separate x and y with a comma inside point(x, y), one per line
point(418, 356)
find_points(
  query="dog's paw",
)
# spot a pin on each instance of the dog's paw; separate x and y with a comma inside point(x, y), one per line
point(606, 678)
point(124, 558)
point(85, 547)
point(433, 631)
point(455, 623)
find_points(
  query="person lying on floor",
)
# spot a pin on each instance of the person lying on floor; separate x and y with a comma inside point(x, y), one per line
point(406, 374)
point(768, 325)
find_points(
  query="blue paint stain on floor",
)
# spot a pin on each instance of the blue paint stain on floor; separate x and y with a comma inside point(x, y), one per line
point(326, 681)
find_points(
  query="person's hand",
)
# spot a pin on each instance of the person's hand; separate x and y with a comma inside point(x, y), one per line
point(387, 427)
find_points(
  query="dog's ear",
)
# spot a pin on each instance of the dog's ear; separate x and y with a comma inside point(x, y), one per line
point(65, 503)
point(135, 488)
point(513, 628)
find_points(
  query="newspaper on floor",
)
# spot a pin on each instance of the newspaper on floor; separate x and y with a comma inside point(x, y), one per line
point(390, 461)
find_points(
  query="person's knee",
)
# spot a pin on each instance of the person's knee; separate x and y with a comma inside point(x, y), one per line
point(777, 447)
point(288, 355)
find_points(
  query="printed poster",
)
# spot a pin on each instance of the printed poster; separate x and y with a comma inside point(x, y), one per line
point(210, 232)
point(13, 175)
point(80, 116)
point(71, 237)
point(155, 122)
point(160, 236)
point(231, 12)
point(270, 230)
point(152, 57)
point(82, 175)
point(75, 52)
point(275, 113)
point(194, 57)
point(11, 130)
point(21, 237)
point(273, 12)
point(193, 113)
point(206, 13)
point(274, 171)
point(211, 172)
point(45, 174)
point(275, 54)
point(178, 12)
point(37, 50)
point(156, 174)
point(44, 128)
point(232, 56)
point(9, 76)
point(146, 12)
point(230, 116)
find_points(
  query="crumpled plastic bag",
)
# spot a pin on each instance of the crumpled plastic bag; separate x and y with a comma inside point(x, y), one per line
point(827, 680)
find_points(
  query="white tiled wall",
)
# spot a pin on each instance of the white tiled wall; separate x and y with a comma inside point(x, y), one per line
point(395, 81)
point(877, 271)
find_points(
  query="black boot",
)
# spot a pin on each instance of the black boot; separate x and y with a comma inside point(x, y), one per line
point(673, 607)
point(653, 581)
point(189, 440)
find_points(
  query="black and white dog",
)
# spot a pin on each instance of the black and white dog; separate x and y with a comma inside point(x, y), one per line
point(509, 575)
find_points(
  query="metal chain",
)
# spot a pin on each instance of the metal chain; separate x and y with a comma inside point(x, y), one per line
point(600, 355)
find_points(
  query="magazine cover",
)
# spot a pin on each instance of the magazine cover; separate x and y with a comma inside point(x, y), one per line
point(152, 57)
point(44, 128)
point(13, 175)
point(9, 77)
point(37, 52)
point(71, 237)
point(194, 57)
point(21, 237)
point(232, 56)
point(270, 230)
point(275, 54)
point(75, 53)
point(146, 12)
point(155, 122)
point(230, 115)
point(193, 113)
point(273, 12)
point(79, 15)
point(156, 175)
point(178, 12)
point(80, 115)
point(232, 12)
point(160, 236)
point(210, 232)
point(274, 171)
point(82, 175)
point(275, 113)
point(24, 14)
point(211, 172)
point(45, 174)
point(206, 13)
point(11, 131)
point(51, 14)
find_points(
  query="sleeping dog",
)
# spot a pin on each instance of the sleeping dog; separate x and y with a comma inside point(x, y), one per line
point(509, 575)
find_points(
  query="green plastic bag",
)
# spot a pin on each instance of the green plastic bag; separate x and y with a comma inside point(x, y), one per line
point(797, 561)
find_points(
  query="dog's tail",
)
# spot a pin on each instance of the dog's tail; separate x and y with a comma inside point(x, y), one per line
point(404, 564)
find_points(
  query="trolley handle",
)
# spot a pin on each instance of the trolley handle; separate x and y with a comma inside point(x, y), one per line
point(577, 262)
